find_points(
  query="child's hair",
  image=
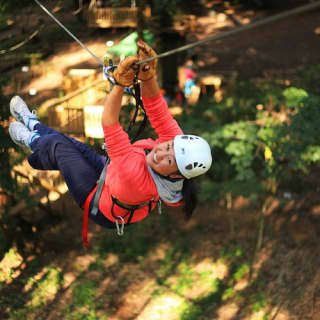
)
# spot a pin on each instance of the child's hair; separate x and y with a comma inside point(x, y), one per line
point(190, 197)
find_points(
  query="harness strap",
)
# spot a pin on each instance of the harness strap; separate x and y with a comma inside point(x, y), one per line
point(119, 220)
point(95, 207)
point(100, 182)
point(85, 224)
point(139, 104)
point(131, 209)
point(130, 206)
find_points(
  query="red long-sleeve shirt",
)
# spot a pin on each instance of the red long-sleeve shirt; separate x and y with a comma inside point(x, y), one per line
point(128, 178)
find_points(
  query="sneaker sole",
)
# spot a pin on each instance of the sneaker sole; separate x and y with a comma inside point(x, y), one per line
point(17, 103)
point(13, 104)
point(21, 144)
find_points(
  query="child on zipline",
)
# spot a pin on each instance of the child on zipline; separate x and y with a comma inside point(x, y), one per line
point(136, 176)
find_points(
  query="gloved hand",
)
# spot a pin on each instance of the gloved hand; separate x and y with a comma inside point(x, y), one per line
point(148, 69)
point(125, 72)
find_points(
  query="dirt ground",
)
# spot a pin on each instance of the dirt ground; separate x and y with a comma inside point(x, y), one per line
point(289, 262)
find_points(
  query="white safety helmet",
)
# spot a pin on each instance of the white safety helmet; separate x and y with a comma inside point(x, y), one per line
point(193, 155)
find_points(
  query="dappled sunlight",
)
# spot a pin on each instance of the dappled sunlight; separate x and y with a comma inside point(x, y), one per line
point(217, 270)
point(51, 73)
point(159, 252)
point(49, 183)
point(163, 283)
point(225, 263)
point(48, 283)
point(169, 306)
point(82, 262)
point(9, 266)
point(261, 315)
point(227, 311)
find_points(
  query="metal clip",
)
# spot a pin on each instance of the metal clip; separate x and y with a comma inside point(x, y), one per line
point(120, 228)
point(104, 146)
point(159, 206)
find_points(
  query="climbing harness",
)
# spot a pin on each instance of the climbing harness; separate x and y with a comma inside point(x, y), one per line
point(119, 220)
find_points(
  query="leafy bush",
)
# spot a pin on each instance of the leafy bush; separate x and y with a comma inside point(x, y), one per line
point(263, 135)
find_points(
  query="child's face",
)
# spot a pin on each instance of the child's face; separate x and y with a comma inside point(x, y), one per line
point(162, 159)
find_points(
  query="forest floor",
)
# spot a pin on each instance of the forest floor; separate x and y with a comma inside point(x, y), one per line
point(165, 268)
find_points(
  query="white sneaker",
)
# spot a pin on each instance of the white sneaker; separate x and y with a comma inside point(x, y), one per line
point(21, 135)
point(21, 112)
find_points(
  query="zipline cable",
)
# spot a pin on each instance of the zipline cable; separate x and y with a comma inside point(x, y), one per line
point(69, 32)
point(237, 30)
point(197, 43)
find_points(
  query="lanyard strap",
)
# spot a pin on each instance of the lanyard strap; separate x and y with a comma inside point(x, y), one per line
point(101, 180)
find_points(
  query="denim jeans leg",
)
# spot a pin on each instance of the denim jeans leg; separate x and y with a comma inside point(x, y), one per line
point(55, 151)
point(97, 160)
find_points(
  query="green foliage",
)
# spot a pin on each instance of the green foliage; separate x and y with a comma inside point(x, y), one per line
point(165, 11)
point(310, 79)
point(294, 96)
point(129, 248)
point(242, 270)
point(261, 133)
point(170, 7)
point(300, 137)
point(84, 293)
point(10, 6)
point(3, 14)
point(259, 301)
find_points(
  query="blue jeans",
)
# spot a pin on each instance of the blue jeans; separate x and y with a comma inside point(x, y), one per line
point(79, 165)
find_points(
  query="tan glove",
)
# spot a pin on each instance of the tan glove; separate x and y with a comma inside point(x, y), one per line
point(125, 72)
point(148, 69)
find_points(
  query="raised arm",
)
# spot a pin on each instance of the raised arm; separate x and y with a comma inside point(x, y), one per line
point(112, 106)
point(123, 75)
point(150, 88)
point(117, 141)
point(158, 112)
point(156, 107)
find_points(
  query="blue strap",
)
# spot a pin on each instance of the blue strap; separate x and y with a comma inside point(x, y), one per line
point(107, 76)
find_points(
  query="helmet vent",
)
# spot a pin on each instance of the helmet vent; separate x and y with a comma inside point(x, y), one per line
point(195, 164)
point(189, 166)
point(185, 137)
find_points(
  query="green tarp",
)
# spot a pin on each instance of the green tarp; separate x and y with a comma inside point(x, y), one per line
point(127, 46)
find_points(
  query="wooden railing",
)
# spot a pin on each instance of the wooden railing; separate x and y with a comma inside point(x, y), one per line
point(67, 120)
point(112, 17)
point(80, 119)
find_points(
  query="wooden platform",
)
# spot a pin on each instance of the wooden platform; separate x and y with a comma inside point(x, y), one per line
point(113, 17)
